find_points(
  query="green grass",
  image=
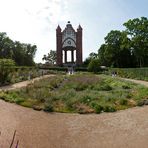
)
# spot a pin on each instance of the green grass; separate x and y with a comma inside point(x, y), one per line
point(80, 93)
point(134, 73)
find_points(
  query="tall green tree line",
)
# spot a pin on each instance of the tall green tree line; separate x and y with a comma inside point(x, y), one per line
point(127, 48)
point(23, 54)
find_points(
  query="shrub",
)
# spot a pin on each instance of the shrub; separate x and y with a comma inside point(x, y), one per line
point(123, 102)
point(85, 99)
point(83, 69)
point(98, 108)
point(27, 104)
point(102, 86)
point(109, 109)
point(125, 87)
point(140, 103)
point(94, 66)
point(19, 101)
point(146, 102)
point(37, 107)
point(48, 108)
point(83, 108)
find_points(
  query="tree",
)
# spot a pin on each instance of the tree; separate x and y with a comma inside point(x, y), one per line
point(6, 46)
point(30, 51)
point(102, 57)
point(94, 66)
point(51, 57)
point(137, 29)
point(5, 70)
point(116, 50)
point(128, 48)
point(19, 54)
point(92, 55)
point(22, 54)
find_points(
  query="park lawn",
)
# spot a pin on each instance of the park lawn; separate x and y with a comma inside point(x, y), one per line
point(79, 93)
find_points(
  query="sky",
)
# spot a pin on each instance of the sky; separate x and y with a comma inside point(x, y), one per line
point(35, 21)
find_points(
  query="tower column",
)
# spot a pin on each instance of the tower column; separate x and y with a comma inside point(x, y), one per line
point(65, 56)
point(79, 46)
point(72, 56)
point(59, 46)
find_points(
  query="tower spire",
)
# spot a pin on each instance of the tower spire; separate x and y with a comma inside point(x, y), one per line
point(58, 28)
point(79, 27)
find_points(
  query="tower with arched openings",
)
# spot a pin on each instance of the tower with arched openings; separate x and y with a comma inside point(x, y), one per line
point(69, 40)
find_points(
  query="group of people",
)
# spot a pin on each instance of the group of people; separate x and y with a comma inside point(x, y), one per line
point(70, 70)
point(114, 74)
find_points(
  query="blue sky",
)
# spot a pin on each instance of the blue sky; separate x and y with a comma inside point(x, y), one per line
point(35, 21)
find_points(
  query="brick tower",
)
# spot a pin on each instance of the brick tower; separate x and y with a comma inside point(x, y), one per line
point(59, 45)
point(69, 40)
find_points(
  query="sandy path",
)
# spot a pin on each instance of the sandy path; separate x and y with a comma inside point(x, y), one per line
point(145, 83)
point(128, 128)
point(23, 84)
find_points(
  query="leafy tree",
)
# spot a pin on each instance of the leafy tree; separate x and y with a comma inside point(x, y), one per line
point(116, 50)
point(137, 29)
point(92, 55)
point(50, 58)
point(22, 54)
point(86, 62)
point(94, 66)
point(102, 56)
point(5, 70)
point(127, 48)
point(6, 46)
point(29, 53)
point(19, 55)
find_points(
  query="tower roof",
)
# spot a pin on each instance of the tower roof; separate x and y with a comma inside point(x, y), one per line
point(68, 26)
point(79, 27)
point(58, 28)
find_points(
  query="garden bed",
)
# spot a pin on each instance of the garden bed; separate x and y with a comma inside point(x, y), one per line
point(79, 93)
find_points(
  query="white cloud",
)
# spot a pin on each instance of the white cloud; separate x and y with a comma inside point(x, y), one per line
point(33, 21)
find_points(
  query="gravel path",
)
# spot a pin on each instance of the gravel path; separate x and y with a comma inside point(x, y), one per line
point(145, 83)
point(128, 128)
point(23, 84)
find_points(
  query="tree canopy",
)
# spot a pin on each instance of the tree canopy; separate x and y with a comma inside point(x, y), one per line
point(127, 48)
point(5, 69)
point(23, 54)
point(50, 57)
point(137, 30)
point(94, 66)
point(116, 50)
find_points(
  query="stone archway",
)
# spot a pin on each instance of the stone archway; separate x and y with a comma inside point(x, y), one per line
point(69, 58)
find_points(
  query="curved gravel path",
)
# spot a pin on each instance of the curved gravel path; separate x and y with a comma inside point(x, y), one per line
point(145, 83)
point(23, 84)
point(128, 128)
